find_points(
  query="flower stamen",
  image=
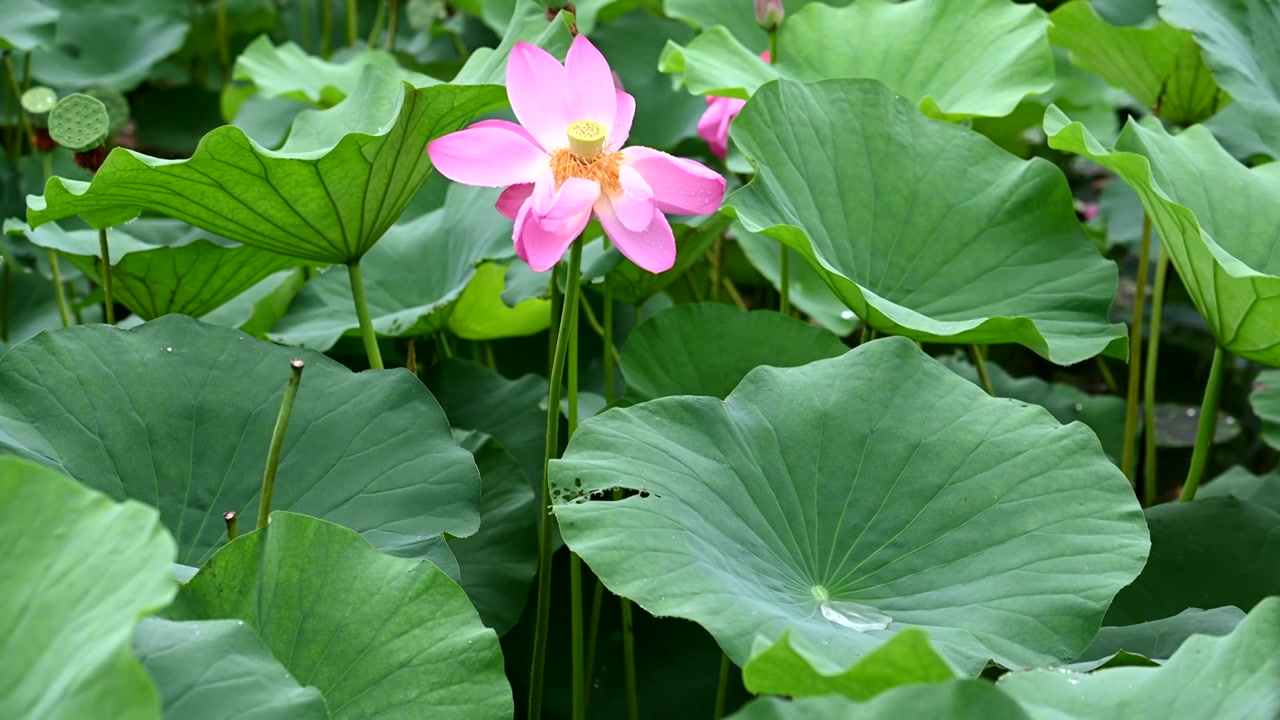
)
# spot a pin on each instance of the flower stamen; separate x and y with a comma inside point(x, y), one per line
point(603, 168)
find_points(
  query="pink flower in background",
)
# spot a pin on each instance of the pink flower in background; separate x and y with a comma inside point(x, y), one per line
point(565, 160)
point(713, 126)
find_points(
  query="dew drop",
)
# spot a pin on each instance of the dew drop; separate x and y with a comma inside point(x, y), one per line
point(854, 616)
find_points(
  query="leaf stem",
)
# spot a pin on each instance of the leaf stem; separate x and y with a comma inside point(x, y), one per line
point(326, 28)
point(224, 48)
point(1107, 378)
point(716, 259)
point(981, 364)
point(304, 18)
point(575, 563)
point(59, 292)
point(353, 24)
point(1149, 476)
point(378, 20)
point(16, 89)
point(393, 25)
point(1207, 427)
point(736, 296)
point(567, 313)
point(277, 440)
point(1135, 351)
point(233, 524)
point(722, 688)
point(108, 303)
point(367, 332)
point(55, 268)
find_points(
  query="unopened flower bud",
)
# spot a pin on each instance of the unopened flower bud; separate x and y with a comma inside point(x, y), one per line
point(769, 14)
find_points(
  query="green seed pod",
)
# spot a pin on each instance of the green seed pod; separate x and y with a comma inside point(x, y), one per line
point(79, 122)
point(38, 101)
point(117, 107)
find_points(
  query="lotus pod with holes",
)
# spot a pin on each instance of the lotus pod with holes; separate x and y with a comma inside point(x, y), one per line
point(79, 122)
point(38, 101)
point(118, 110)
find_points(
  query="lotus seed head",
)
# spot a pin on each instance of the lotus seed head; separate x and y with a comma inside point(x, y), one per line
point(586, 138)
point(38, 101)
point(79, 122)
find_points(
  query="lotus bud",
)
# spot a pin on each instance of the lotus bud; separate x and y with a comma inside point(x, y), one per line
point(769, 14)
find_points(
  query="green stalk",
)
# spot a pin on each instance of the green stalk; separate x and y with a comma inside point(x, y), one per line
point(567, 312)
point(378, 19)
point(326, 28)
point(722, 688)
point(575, 563)
point(59, 292)
point(108, 304)
point(233, 524)
point(224, 48)
point(55, 269)
point(393, 25)
point(304, 17)
point(16, 90)
point(1149, 476)
point(353, 24)
point(1208, 425)
point(362, 312)
point(981, 364)
point(1135, 352)
point(75, 307)
point(277, 440)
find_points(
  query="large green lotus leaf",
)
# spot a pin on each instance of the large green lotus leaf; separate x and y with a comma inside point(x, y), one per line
point(288, 71)
point(189, 275)
point(481, 314)
point(1216, 217)
point(499, 562)
point(851, 499)
point(255, 310)
point(1156, 640)
point(707, 14)
point(956, 700)
point(339, 182)
point(1196, 560)
point(179, 414)
point(379, 636)
point(1104, 414)
point(34, 308)
point(706, 349)
point(477, 398)
point(78, 570)
point(107, 45)
point(1208, 677)
point(528, 23)
point(1263, 491)
point(906, 659)
point(809, 292)
point(1005, 55)
point(220, 670)
point(418, 268)
point(934, 232)
point(1160, 66)
point(1241, 42)
point(1265, 400)
point(28, 25)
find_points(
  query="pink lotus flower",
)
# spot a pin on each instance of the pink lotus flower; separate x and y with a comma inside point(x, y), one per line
point(565, 160)
point(713, 126)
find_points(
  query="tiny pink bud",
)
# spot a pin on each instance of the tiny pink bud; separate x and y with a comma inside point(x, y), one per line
point(769, 14)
